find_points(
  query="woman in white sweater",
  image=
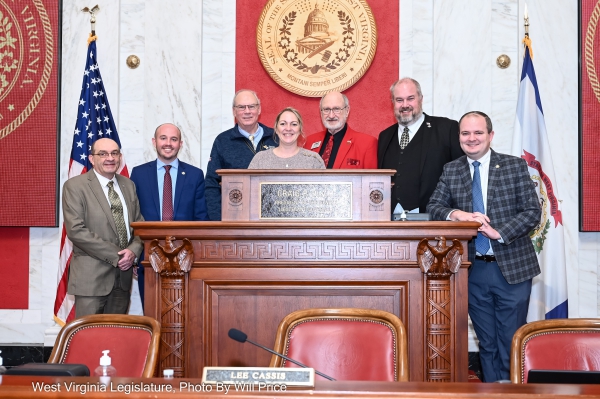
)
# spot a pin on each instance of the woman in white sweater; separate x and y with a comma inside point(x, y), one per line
point(289, 154)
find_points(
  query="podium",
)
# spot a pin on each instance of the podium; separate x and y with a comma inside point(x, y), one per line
point(250, 274)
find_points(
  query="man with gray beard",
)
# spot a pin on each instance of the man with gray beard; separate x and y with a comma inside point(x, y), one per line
point(417, 147)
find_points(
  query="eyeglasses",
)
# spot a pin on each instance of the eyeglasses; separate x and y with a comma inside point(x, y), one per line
point(104, 154)
point(336, 111)
point(251, 107)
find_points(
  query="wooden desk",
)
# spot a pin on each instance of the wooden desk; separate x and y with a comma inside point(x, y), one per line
point(249, 275)
point(17, 387)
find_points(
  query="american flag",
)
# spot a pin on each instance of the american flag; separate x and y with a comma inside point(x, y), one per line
point(94, 121)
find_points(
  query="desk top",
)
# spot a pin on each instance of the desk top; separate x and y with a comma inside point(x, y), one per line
point(21, 387)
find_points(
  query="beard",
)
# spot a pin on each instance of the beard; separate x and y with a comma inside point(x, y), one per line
point(406, 120)
point(334, 125)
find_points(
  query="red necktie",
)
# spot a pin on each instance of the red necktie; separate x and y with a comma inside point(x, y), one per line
point(327, 153)
point(167, 205)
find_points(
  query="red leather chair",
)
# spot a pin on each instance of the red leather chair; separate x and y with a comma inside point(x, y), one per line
point(132, 340)
point(346, 344)
point(557, 344)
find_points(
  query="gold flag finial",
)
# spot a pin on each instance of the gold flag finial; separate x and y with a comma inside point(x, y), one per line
point(527, 40)
point(92, 11)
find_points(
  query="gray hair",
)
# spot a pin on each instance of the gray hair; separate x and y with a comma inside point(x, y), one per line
point(404, 80)
point(346, 101)
point(242, 90)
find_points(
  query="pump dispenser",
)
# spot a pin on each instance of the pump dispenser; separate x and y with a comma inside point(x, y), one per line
point(105, 369)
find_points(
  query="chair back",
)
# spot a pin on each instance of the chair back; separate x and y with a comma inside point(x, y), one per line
point(133, 342)
point(556, 344)
point(346, 344)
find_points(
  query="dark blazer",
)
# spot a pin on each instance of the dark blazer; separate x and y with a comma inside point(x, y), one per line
point(189, 202)
point(440, 146)
point(357, 150)
point(230, 150)
point(91, 228)
point(512, 206)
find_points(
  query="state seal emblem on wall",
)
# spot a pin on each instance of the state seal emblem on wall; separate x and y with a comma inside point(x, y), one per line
point(26, 55)
point(313, 47)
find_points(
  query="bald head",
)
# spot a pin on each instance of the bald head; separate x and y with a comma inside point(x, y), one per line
point(167, 142)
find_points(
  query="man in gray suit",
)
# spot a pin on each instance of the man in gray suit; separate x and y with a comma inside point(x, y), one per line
point(98, 208)
point(496, 191)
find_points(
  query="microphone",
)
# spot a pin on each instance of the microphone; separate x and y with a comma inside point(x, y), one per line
point(240, 336)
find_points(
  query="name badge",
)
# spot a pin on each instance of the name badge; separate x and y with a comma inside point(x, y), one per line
point(315, 145)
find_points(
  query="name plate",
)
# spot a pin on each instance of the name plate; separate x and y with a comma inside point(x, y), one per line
point(306, 200)
point(260, 376)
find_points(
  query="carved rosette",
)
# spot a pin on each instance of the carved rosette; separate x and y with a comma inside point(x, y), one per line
point(438, 262)
point(172, 263)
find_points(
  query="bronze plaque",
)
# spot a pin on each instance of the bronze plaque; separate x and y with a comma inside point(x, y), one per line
point(331, 201)
point(313, 47)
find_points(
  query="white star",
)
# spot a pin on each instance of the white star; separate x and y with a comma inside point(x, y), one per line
point(81, 102)
point(90, 135)
point(84, 114)
point(97, 107)
point(93, 81)
point(89, 148)
point(100, 133)
point(79, 144)
point(98, 120)
point(88, 85)
point(87, 127)
point(106, 119)
point(83, 157)
point(95, 94)
point(108, 132)
point(98, 80)
point(101, 92)
point(91, 54)
point(86, 72)
point(77, 131)
point(103, 106)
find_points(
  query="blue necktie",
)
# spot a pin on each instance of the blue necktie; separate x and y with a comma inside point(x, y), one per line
point(482, 243)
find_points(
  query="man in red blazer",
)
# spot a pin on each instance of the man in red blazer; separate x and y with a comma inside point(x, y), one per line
point(339, 145)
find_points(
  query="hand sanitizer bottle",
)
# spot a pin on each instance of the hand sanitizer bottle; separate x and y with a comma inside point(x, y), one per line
point(105, 369)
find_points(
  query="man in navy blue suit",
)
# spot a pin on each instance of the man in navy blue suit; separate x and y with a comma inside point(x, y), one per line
point(178, 195)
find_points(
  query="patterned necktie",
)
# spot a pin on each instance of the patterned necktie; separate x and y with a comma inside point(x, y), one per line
point(167, 205)
point(116, 207)
point(251, 137)
point(404, 139)
point(482, 243)
point(327, 152)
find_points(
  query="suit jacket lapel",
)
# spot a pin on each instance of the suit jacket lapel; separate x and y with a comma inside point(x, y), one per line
point(385, 143)
point(128, 198)
point(320, 141)
point(426, 131)
point(152, 178)
point(345, 146)
point(98, 192)
point(493, 178)
point(179, 183)
point(467, 182)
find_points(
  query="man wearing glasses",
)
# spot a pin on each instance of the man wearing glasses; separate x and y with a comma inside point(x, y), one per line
point(98, 208)
point(417, 147)
point(235, 148)
point(339, 145)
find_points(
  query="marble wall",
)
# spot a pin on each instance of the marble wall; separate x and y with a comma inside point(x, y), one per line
point(187, 52)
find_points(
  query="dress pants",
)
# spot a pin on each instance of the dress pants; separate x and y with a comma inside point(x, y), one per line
point(497, 310)
point(116, 302)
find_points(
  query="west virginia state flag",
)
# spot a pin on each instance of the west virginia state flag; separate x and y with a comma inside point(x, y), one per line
point(530, 142)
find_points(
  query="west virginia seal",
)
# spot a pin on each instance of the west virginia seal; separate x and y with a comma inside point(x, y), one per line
point(26, 55)
point(311, 47)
